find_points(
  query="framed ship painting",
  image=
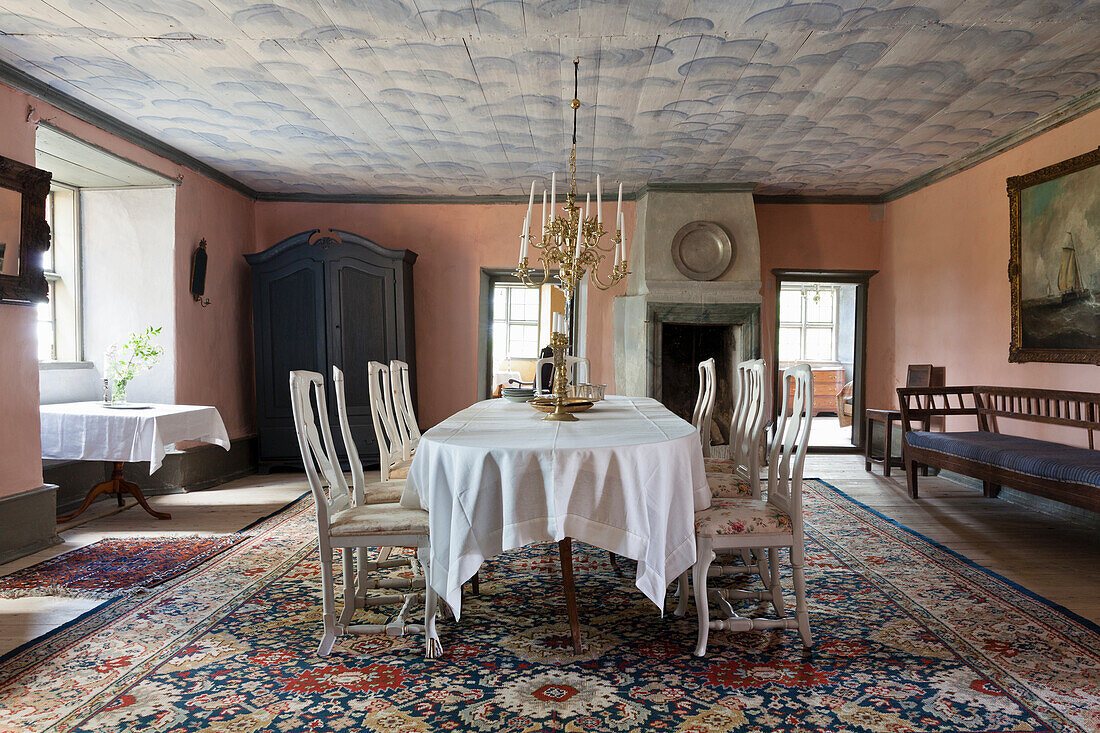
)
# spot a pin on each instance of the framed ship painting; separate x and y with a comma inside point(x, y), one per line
point(1054, 266)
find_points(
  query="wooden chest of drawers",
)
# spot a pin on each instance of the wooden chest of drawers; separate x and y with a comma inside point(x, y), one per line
point(828, 381)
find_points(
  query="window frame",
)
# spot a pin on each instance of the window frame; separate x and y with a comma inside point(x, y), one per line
point(804, 324)
point(508, 321)
point(72, 280)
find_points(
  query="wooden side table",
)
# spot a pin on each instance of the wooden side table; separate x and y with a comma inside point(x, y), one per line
point(887, 418)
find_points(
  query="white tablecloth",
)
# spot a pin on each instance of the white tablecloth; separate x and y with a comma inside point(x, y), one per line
point(89, 431)
point(627, 477)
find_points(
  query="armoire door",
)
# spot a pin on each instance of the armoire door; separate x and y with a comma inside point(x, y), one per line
point(362, 324)
point(290, 334)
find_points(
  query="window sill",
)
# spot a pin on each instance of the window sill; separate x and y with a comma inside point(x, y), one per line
point(45, 366)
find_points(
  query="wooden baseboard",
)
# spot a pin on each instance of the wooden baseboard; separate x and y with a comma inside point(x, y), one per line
point(27, 522)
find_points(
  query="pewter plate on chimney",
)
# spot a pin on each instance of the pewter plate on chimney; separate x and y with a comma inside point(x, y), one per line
point(702, 250)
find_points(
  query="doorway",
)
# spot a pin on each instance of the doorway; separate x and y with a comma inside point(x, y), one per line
point(514, 326)
point(821, 320)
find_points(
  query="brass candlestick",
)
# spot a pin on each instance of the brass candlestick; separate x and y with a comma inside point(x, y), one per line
point(559, 342)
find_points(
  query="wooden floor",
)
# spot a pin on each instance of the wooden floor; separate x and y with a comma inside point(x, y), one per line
point(1053, 557)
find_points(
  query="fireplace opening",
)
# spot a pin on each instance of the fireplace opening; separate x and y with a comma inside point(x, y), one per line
point(683, 346)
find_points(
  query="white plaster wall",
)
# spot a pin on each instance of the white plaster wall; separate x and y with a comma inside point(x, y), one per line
point(129, 279)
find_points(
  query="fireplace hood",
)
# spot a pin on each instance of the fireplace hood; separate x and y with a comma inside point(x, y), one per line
point(658, 292)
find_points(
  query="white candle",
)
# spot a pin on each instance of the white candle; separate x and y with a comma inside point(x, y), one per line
point(619, 211)
point(620, 245)
point(577, 251)
point(599, 200)
point(530, 205)
point(587, 203)
point(553, 193)
point(542, 227)
point(523, 242)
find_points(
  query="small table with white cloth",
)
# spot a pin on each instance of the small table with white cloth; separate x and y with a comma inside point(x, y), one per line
point(628, 477)
point(92, 431)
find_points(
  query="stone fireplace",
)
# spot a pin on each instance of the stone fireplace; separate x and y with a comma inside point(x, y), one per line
point(666, 323)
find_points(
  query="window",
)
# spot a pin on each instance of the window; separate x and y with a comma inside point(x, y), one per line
point(807, 322)
point(515, 322)
point(59, 337)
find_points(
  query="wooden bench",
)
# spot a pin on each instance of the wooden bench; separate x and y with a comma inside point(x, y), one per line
point(1053, 470)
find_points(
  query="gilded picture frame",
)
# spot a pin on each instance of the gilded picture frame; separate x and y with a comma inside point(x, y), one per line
point(1054, 262)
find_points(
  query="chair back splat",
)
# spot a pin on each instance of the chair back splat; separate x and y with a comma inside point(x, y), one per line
point(383, 417)
point(745, 440)
point(307, 394)
point(407, 427)
point(787, 455)
point(357, 479)
point(704, 403)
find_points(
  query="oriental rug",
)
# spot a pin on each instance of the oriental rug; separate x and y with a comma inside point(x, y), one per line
point(114, 567)
point(908, 637)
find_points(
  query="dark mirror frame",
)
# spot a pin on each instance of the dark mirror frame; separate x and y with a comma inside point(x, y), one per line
point(29, 286)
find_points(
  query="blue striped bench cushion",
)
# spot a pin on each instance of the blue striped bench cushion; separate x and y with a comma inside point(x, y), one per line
point(1038, 458)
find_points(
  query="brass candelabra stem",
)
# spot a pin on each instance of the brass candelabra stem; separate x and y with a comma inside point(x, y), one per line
point(559, 342)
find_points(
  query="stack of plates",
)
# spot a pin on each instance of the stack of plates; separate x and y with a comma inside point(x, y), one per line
point(517, 394)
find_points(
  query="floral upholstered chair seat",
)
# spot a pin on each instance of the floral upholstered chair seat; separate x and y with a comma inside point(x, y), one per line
point(728, 486)
point(741, 516)
point(719, 465)
point(383, 492)
point(358, 521)
point(400, 469)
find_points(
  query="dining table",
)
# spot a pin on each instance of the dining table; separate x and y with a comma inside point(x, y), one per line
point(627, 477)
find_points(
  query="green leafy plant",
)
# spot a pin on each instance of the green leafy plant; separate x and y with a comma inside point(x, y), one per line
point(139, 354)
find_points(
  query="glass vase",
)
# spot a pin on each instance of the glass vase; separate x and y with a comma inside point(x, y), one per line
point(118, 393)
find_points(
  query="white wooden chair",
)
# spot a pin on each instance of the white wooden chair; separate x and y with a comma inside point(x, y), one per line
point(391, 461)
point(376, 492)
point(704, 404)
point(734, 524)
point(739, 477)
point(408, 431)
point(344, 526)
point(740, 474)
point(571, 362)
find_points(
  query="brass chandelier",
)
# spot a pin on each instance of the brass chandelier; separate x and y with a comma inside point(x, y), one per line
point(572, 241)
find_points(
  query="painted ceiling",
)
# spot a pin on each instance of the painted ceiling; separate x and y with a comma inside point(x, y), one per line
point(470, 97)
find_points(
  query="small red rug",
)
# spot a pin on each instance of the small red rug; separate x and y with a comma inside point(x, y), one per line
point(115, 567)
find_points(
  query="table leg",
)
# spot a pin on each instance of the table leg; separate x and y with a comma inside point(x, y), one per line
point(887, 448)
point(116, 485)
point(565, 552)
point(869, 433)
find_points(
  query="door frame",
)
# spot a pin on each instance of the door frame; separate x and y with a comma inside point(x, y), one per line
point(489, 277)
point(862, 280)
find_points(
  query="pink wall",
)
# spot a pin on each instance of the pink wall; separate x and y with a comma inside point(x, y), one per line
point(454, 242)
point(945, 273)
point(822, 237)
point(214, 345)
point(20, 446)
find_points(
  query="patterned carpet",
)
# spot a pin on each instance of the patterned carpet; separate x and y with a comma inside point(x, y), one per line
point(908, 637)
point(114, 567)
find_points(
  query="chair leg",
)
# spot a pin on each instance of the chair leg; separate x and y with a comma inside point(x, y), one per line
point(802, 611)
point(475, 584)
point(350, 594)
point(703, 559)
point(681, 594)
point(774, 585)
point(328, 603)
point(432, 648)
point(911, 476)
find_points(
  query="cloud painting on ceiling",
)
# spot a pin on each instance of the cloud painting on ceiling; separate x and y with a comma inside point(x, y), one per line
point(470, 97)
